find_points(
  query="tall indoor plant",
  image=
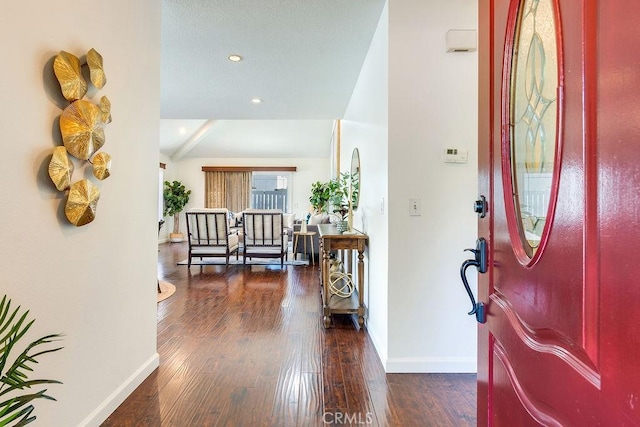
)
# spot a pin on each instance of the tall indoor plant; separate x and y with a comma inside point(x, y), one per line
point(320, 195)
point(176, 197)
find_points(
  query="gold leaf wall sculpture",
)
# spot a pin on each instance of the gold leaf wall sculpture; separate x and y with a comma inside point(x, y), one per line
point(105, 107)
point(82, 202)
point(94, 60)
point(82, 129)
point(101, 165)
point(67, 69)
point(61, 168)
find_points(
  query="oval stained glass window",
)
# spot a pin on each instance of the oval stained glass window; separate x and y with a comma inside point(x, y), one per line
point(533, 113)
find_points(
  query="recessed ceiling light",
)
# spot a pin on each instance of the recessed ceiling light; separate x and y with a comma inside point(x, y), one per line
point(182, 131)
point(256, 100)
point(234, 58)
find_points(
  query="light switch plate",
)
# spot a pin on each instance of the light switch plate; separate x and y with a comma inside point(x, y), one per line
point(414, 207)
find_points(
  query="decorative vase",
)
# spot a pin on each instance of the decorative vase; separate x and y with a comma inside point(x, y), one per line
point(342, 226)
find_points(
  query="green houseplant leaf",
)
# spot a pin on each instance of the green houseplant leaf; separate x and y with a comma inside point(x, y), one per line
point(332, 195)
point(339, 190)
point(15, 386)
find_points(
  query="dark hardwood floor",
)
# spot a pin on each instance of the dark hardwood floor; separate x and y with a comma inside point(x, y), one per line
point(245, 346)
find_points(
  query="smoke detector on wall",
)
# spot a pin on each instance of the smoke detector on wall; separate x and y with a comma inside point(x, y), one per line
point(461, 40)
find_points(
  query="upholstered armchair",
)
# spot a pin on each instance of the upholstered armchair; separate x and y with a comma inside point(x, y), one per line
point(208, 235)
point(264, 235)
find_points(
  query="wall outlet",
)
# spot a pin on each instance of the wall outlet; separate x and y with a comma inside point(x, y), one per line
point(414, 207)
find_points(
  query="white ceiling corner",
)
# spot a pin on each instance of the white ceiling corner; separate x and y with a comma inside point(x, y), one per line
point(302, 57)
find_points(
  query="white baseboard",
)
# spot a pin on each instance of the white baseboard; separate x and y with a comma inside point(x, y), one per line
point(431, 365)
point(421, 365)
point(377, 343)
point(116, 398)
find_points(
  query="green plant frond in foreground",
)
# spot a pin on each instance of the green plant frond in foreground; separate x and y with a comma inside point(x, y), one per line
point(9, 342)
point(17, 410)
point(16, 375)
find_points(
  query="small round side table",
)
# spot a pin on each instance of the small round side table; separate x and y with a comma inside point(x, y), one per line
point(306, 235)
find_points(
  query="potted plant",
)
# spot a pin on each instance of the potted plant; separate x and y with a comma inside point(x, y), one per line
point(320, 195)
point(339, 199)
point(17, 394)
point(176, 197)
point(332, 197)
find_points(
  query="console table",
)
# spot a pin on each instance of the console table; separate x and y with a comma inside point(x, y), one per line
point(331, 240)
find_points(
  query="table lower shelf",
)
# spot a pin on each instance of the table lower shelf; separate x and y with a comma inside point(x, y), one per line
point(340, 305)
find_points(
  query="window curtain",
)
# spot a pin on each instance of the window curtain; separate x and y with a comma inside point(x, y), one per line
point(231, 190)
point(214, 190)
point(238, 190)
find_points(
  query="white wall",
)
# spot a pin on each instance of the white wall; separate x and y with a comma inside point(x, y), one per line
point(432, 106)
point(411, 101)
point(97, 283)
point(365, 127)
point(309, 170)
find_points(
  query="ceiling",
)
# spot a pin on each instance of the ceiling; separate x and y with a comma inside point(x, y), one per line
point(302, 58)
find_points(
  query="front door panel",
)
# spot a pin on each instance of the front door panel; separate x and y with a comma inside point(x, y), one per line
point(557, 344)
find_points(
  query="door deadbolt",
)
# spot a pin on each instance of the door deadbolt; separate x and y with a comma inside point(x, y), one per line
point(480, 207)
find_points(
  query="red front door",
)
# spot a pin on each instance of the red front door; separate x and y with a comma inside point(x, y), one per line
point(560, 167)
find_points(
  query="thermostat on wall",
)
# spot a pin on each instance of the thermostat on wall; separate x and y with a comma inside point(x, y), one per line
point(455, 155)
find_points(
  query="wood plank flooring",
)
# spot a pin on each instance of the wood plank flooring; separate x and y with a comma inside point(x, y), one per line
point(245, 346)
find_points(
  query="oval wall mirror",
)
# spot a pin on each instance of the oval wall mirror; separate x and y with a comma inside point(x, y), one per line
point(355, 179)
